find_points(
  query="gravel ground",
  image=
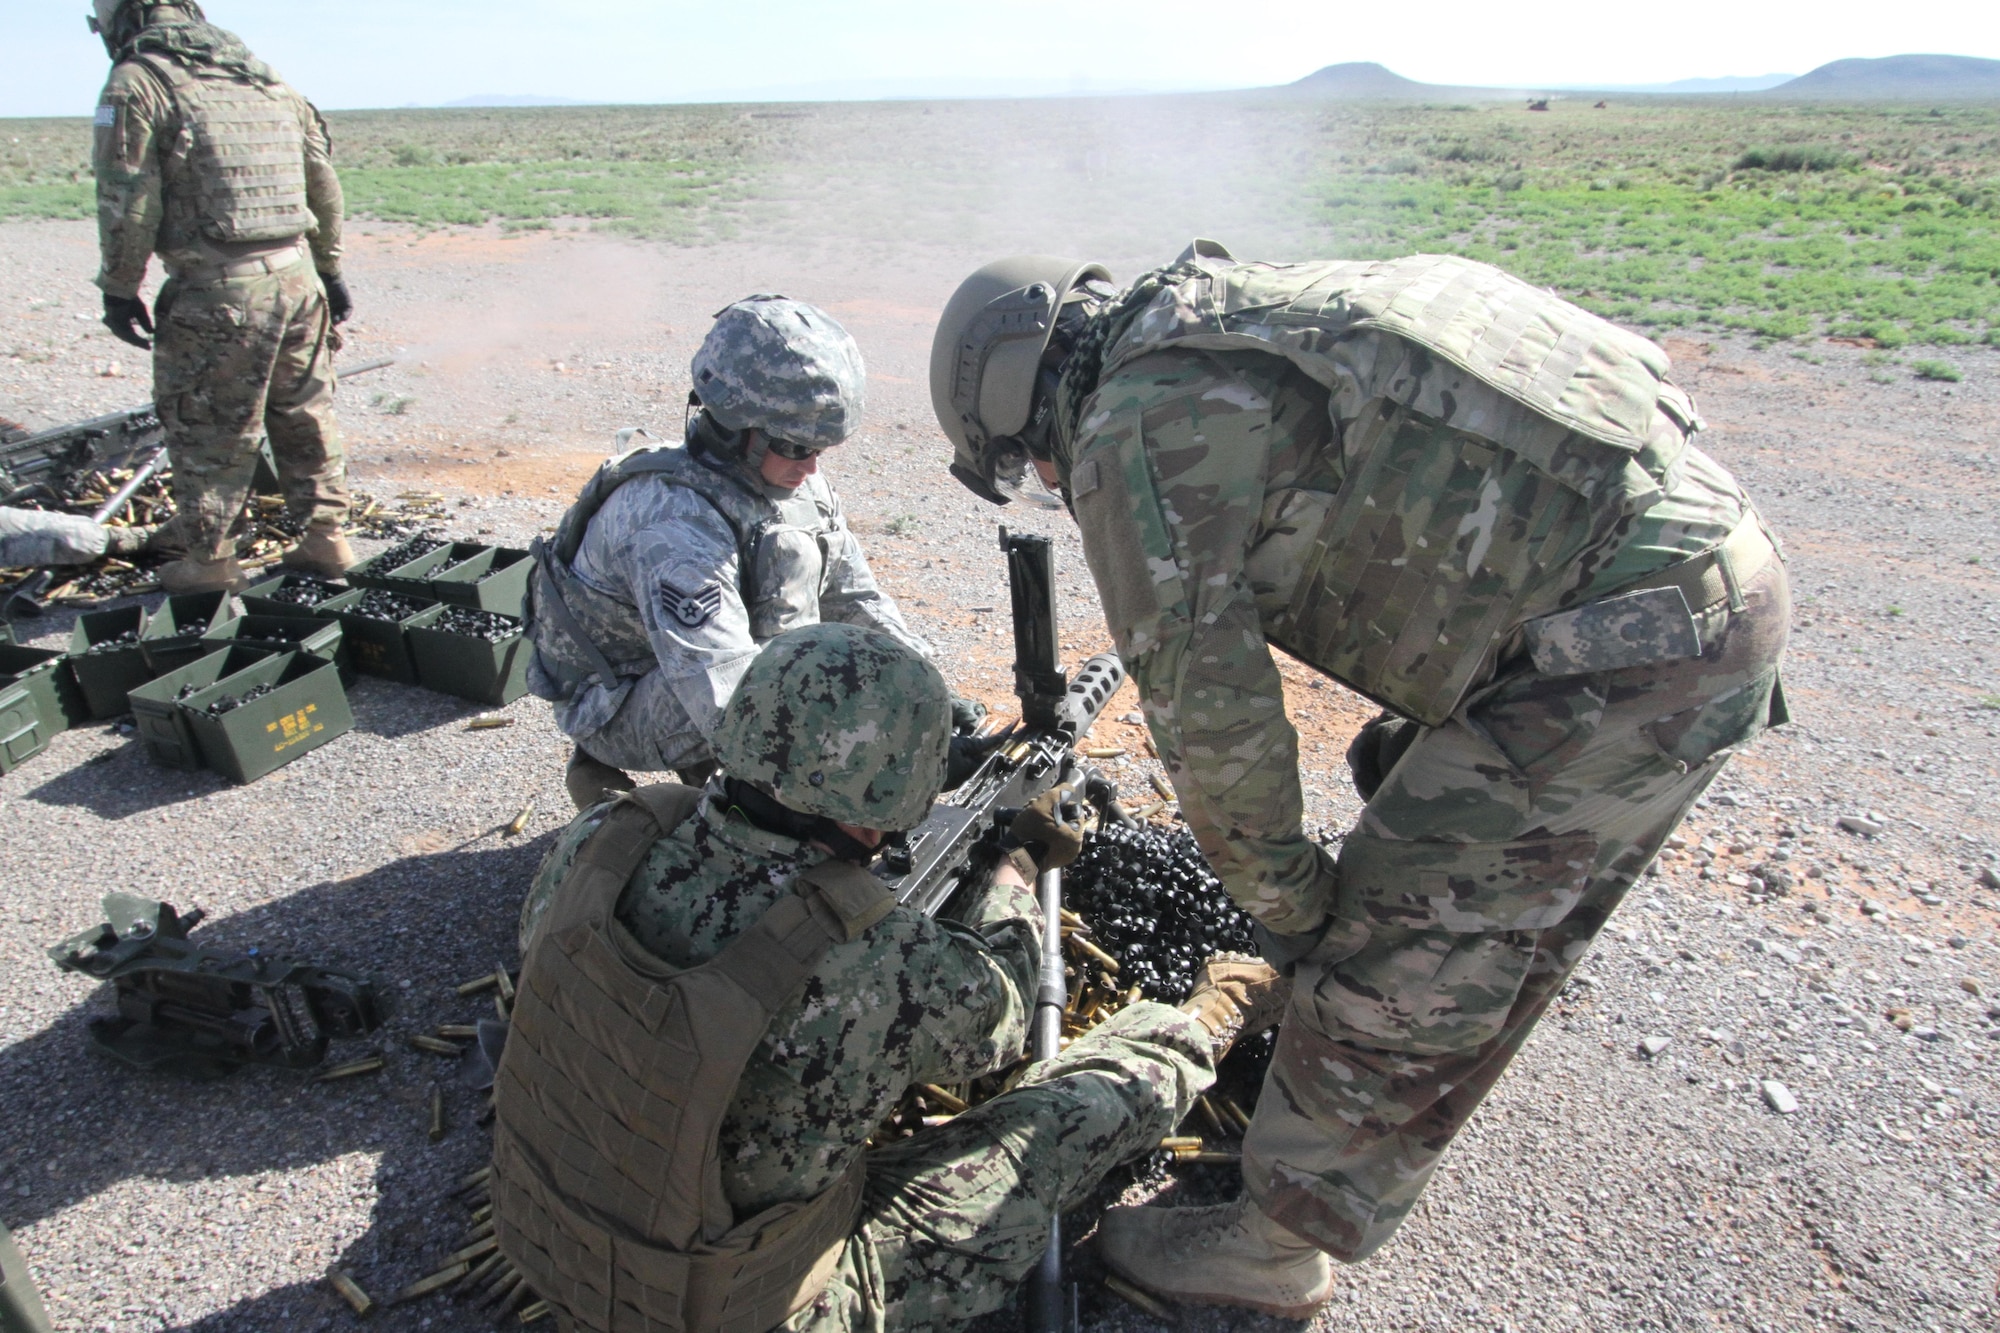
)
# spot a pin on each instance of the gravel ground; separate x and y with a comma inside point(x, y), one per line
point(1601, 1186)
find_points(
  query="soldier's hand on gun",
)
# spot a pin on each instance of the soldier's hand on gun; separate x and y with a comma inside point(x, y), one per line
point(1050, 827)
point(967, 753)
point(121, 313)
point(339, 303)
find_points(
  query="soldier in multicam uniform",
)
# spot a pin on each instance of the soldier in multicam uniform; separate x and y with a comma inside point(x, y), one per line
point(676, 562)
point(1473, 503)
point(205, 157)
point(719, 1006)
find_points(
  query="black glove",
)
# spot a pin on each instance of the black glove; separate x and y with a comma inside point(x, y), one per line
point(121, 313)
point(339, 305)
point(1050, 827)
point(966, 755)
point(966, 714)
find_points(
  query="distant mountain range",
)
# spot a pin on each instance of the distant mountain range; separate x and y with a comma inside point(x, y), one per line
point(1913, 78)
point(515, 99)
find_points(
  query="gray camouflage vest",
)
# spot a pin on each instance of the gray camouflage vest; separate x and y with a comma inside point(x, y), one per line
point(236, 171)
point(781, 559)
point(1439, 542)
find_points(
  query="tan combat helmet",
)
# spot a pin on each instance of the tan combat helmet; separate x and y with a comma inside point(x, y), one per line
point(985, 360)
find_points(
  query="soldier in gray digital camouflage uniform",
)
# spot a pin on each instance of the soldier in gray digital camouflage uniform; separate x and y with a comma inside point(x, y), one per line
point(719, 1006)
point(206, 158)
point(1464, 498)
point(677, 561)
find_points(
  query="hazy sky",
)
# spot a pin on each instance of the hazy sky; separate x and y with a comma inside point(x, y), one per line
point(366, 53)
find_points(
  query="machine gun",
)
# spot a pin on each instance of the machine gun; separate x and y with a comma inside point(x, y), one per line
point(960, 840)
point(962, 836)
point(47, 467)
point(202, 1013)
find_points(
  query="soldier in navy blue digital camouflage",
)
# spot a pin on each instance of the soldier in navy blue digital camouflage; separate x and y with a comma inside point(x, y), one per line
point(719, 1007)
point(1464, 498)
point(677, 561)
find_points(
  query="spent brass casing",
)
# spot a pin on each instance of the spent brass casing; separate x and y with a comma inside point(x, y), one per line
point(353, 1068)
point(1132, 1296)
point(435, 1045)
point(424, 1286)
point(350, 1291)
point(437, 1112)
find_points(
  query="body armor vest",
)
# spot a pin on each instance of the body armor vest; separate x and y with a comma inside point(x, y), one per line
point(1439, 542)
point(236, 169)
point(618, 1071)
point(580, 633)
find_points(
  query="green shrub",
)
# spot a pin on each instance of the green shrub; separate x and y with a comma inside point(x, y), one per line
point(1792, 159)
point(1937, 370)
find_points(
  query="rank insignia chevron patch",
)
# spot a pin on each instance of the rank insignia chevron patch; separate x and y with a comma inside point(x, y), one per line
point(691, 608)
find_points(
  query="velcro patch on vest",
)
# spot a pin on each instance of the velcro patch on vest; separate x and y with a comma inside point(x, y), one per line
point(692, 609)
point(107, 116)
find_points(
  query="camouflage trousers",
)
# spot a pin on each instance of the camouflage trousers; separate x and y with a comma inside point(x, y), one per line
point(20, 1307)
point(236, 359)
point(1491, 854)
point(955, 1217)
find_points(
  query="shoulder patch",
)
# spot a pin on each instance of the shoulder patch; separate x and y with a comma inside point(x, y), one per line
point(691, 609)
point(107, 116)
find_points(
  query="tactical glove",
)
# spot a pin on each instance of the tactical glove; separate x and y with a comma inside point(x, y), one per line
point(966, 755)
point(966, 714)
point(1050, 827)
point(339, 305)
point(121, 313)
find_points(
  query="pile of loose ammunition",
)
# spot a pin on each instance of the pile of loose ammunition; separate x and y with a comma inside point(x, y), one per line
point(265, 532)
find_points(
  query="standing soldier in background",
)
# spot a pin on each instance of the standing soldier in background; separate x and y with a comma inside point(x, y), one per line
point(206, 158)
point(1464, 498)
point(677, 561)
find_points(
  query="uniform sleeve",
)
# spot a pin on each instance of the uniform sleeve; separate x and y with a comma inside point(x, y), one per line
point(1168, 488)
point(850, 594)
point(979, 986)
point(682, 573)
point(554, 869)
point(126, 162)
point(323, 194)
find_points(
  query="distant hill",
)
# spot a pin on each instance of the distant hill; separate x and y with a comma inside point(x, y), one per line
point(1364, 80)
point(1735, 83)
point(515, 99)
point(1898, 79)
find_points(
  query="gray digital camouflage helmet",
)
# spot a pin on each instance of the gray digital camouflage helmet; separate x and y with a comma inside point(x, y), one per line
point(984, 361)
point(842, 722)
point(781, 367)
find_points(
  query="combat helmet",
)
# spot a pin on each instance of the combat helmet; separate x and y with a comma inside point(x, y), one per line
point(783, 368)
point(840, 722)
point(985, 362)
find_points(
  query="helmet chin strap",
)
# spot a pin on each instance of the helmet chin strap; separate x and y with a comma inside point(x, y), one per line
point(768, 813)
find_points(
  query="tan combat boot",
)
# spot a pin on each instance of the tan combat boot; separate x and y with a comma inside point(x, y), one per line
point(591, 781)
point(1235, 998)
point(322, 550)
point(1228, 1254)
point(188, 574)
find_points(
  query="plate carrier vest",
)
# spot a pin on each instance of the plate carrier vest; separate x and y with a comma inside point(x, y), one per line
point(237, 170)
point(779, 543)
point(618, 1071)
point(1427, 559)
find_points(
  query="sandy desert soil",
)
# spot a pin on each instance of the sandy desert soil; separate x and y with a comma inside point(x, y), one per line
point(1598, 1188)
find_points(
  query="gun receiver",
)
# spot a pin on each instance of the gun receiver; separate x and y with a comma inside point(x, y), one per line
point(959, 840)
point(46, 465)
point(201, 1013)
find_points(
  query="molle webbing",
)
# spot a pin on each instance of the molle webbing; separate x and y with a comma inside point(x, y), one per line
point(243, 175)
point(612, 1092)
